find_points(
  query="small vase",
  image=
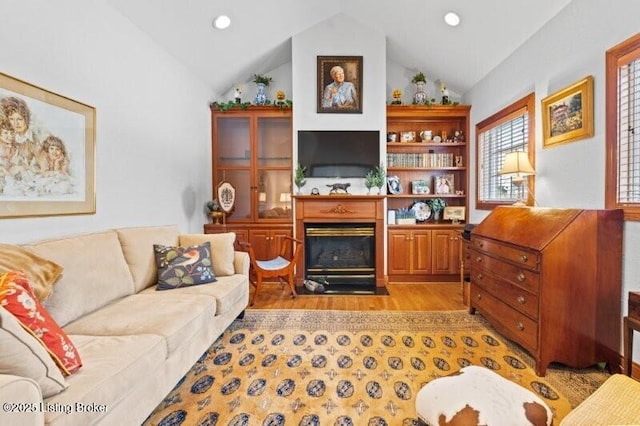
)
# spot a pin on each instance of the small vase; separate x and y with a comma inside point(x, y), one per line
point(420, 97)
point(437, 214)
point(261, 96)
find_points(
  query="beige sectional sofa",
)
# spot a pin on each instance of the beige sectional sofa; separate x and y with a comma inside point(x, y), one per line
point(135, 342)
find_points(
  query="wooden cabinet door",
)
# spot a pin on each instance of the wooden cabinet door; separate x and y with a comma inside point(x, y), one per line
point(399, 259)
point(445, 255)
point(260, 240)
point(421, 251)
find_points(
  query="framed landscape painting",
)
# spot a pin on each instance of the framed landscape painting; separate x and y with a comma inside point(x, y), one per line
point(340, 84)
point(47, 152)
point(567, 115)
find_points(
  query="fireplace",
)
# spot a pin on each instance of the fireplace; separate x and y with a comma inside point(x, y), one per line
point(342, 254)
point(343, 242)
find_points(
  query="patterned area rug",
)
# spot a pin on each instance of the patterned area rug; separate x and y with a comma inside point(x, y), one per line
point(349, 368)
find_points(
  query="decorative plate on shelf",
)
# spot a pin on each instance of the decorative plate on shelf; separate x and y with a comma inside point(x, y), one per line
point(421, 210)
point(437, 139)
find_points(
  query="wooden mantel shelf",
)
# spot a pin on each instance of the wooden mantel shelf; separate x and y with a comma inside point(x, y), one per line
point(342, 208)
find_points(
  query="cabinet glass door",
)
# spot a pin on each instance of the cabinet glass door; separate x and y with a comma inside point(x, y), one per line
point(234, 142)
point(240, 181)
point(274, 194)
point(274, 142)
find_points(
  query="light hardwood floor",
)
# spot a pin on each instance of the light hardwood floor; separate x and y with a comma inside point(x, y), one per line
point(402, 297)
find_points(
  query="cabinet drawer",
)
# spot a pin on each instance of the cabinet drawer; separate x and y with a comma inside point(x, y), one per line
point(518, 255)
point(525, 278)
point(510, 294)
point(513, 324)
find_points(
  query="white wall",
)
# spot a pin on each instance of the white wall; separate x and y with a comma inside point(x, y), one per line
point(153, 127)
point(568, 48)
point(339, 36)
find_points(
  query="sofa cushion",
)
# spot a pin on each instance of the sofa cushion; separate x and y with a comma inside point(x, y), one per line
point(95, 273)
point(42, 273)
point(227, 292)
point(176, 317)
point(23, 355)
point(183, 266)
point(113, 365)
point(16, 297)
point(221, 249)
point(137, 246)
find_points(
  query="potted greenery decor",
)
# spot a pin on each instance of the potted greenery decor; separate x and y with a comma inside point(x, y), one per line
point(370, 180)
point(262, 81)
point(437, 206)
point(419, 77)
point(299, 178)
point(215, 213)
point(420, 96)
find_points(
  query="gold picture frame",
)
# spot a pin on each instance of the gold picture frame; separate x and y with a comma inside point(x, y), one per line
point(454, 213)
point(343, 93)
point(47, 149)
point(567, 115)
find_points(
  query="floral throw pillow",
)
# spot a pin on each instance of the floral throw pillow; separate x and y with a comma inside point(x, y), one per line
point(17, 297)
point(183, 266)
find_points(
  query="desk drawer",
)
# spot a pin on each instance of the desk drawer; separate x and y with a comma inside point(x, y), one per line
point(513, 324)
point(514, 296)
point(525, 278)
point(525, 258)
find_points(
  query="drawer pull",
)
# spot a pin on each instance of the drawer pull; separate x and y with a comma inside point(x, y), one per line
point(480, 244)
point(524, 258)
point(521, 300)
point(479, 259)
point(479, 276)
point(520, 326)
point(521, 276)
point(479, 297)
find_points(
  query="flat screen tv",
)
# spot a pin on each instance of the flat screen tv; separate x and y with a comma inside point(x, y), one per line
point(338, 153)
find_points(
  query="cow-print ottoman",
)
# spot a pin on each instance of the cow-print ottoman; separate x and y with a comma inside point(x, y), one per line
point(478, 396)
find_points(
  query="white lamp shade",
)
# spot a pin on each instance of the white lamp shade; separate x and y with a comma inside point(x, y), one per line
point(517, 163)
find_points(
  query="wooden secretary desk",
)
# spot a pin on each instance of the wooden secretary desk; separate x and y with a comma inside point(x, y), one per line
point(550, 280)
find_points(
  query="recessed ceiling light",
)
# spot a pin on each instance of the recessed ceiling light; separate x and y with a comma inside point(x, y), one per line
point(452, 19)
point(221, 22)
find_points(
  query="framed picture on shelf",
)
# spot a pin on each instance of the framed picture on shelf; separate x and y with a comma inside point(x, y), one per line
point(340, 84)
point(394, 185)
point(444, 184)
point(420, 187)
point(407, 136)
point(567, 115)
point(454, 214)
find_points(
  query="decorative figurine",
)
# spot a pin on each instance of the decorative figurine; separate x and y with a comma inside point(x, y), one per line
point(445, 93)
point(237, 94)
point(397, 97)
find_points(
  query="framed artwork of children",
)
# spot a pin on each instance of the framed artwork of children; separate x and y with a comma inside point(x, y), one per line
point(47, 152)
point(444, 184)
point(340, 84)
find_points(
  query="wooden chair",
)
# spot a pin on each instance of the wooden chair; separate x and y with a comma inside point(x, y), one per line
point(282, 266)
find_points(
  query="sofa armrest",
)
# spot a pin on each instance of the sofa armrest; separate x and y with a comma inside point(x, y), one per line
point(241, 262)
point(22, 401)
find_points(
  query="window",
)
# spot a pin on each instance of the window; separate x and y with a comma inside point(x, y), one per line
point(622, 188)
point(508, 130)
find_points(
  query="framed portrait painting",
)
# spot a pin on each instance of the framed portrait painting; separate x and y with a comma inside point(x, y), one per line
point(47, 152)
point(340, 84)
point(567, 115)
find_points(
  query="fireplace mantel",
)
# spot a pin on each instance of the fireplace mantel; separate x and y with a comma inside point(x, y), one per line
point(342, 209)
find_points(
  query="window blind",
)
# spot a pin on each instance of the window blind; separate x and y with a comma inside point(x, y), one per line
point(628, 132)
point(494, 142)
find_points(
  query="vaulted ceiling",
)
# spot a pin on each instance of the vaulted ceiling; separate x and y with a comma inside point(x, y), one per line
point(259, 38)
